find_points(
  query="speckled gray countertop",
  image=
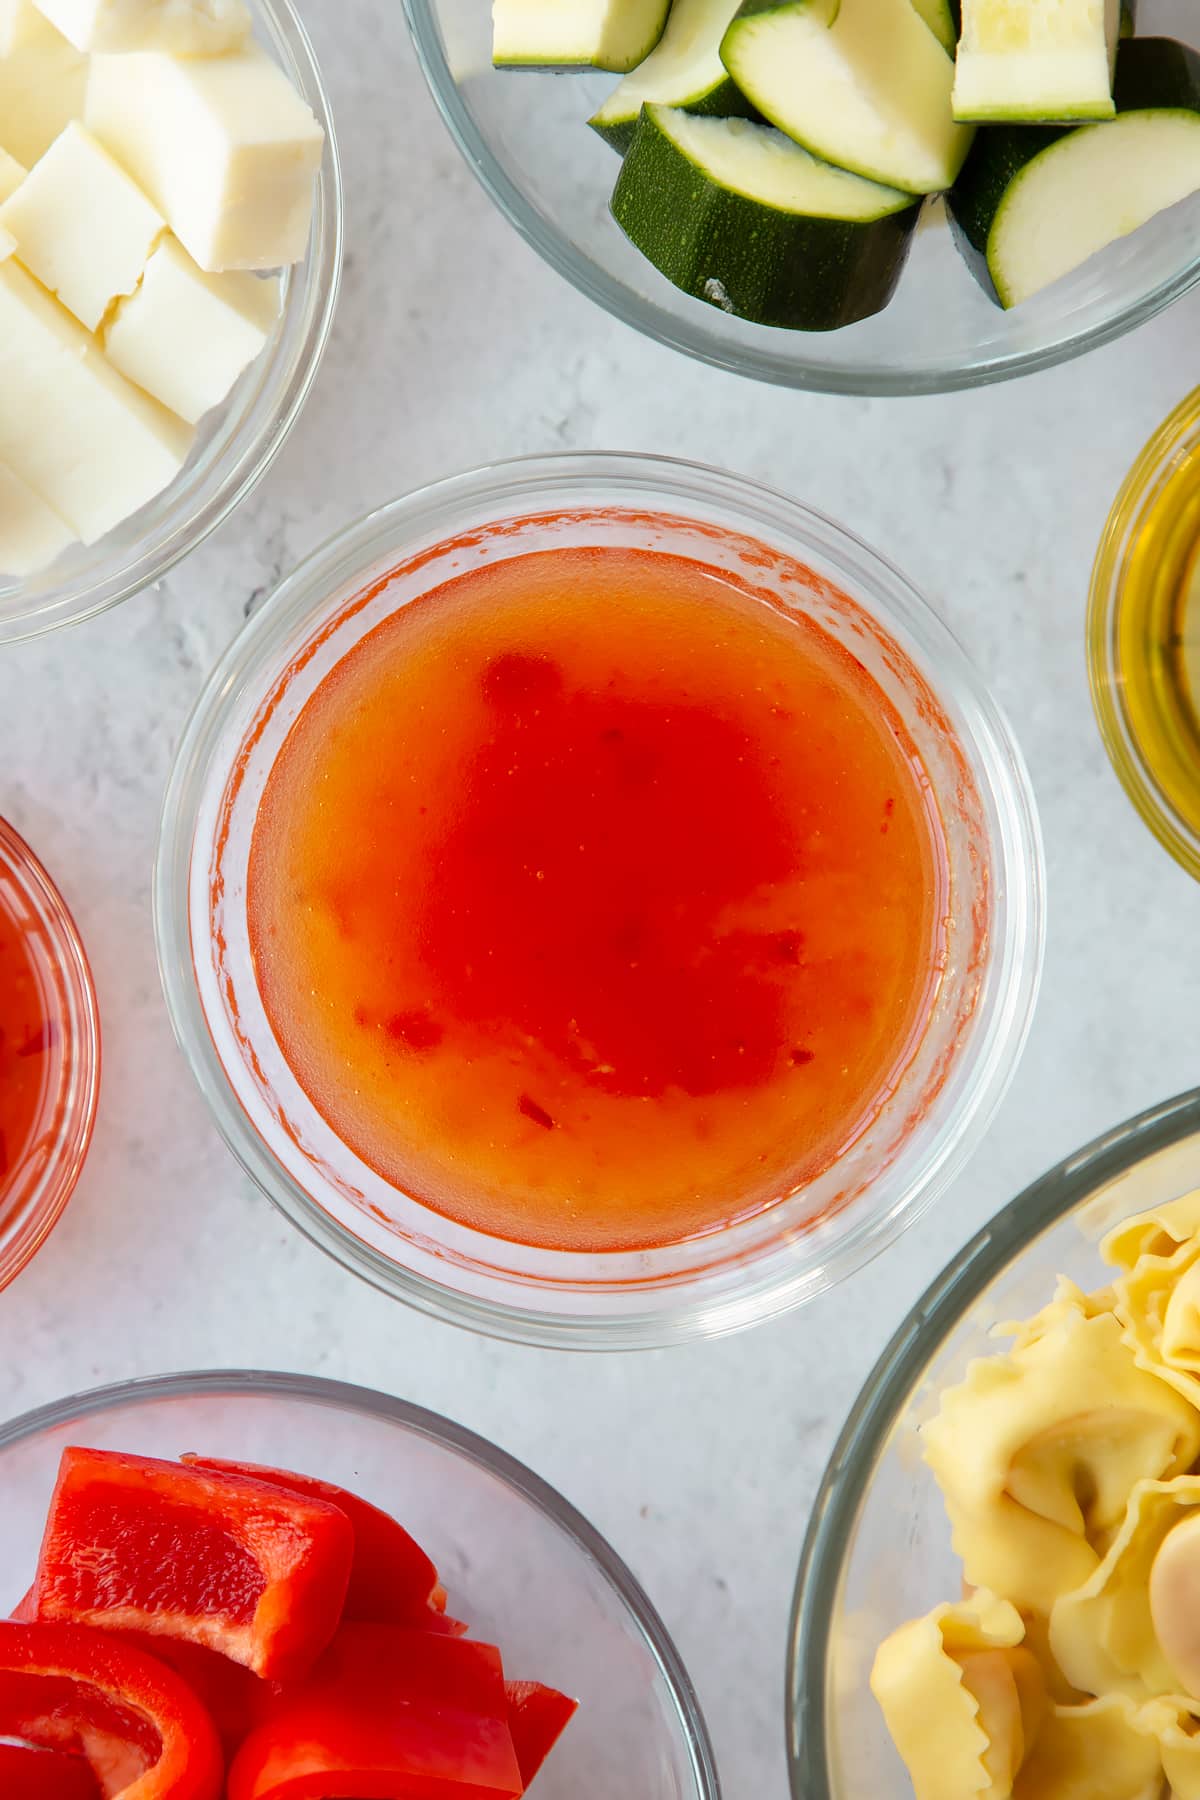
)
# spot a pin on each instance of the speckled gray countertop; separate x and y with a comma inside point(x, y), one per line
point(991, 501)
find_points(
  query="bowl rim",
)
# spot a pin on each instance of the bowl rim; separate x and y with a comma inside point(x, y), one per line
point(352, 1398)
point(1174, 441)
point(656, 322)
point(261, 436)
point(1015, 946)
point(875, 1410)
point(79, 1084)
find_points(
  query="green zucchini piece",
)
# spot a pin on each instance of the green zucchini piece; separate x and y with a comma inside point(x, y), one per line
point(1024, 60)
point(739, 215)
point(1034, 202)
point(944, 19)
point(861, 83)
point(575, 34)
point(684, 69)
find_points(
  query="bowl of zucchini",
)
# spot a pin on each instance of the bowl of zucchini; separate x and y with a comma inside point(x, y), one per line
point(851, 196)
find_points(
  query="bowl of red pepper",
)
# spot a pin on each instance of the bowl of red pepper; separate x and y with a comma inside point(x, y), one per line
point(240, 1586)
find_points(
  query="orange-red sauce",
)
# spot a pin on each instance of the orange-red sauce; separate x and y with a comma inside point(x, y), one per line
point(595, 901)
point(27, 1044)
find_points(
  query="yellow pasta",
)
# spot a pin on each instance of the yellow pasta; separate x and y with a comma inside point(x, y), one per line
point(961, 1698)
point(1175, 1722)
point(1036, 1450)
point(1104, 1635)
point(1101, 1751)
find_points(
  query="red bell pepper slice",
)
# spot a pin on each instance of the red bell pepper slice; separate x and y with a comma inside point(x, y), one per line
point(135, 1544)
point(387, 1714)
point(141, 1730)
point(27, 1773)
point(234, 1698)
point(537, 1718)
point(392, 1581)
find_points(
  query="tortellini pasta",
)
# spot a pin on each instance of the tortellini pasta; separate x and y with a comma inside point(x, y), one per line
point(962, 1699)
point(1035, 1451)
point(1069, 1464)
point(1105, 1635)
point(1157, 1294)
point(1101, 1751)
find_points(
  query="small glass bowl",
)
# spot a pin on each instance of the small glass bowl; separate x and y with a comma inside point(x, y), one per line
point(522, 1567)
point(878, 1550)
point(1143, 634)
point(525, 136)
point(942, 1099)
point(36, 1191)
point(238, 441)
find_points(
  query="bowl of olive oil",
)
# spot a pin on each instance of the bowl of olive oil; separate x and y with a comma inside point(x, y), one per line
point(1144, 634)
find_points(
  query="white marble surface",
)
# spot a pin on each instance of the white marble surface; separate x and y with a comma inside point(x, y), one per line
point(699, 1464)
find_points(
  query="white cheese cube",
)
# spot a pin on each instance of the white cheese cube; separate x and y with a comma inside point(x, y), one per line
point(184, 27)
point(12, 174)
point(223, 145)
point(82, 226)
point(92, 445)
point(20, 24)
point(186, 336)
point(31, 533)
point(7, 244)
point(42, 88)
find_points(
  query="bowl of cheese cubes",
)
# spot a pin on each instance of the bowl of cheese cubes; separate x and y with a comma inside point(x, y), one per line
point(851, 196)
point(997, 1595)
point(170, 249)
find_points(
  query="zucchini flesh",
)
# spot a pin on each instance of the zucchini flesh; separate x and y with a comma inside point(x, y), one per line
point(1033, 203)
point(739, 215)
point(942, 18)
point(575, 34)
point(1023, 60)
point(684, 69)
point(861, 83)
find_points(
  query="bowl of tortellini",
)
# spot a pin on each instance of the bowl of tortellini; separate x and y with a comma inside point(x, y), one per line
point(999, 1593)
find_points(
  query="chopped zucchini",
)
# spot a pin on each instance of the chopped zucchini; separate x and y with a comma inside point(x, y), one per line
point(739, 215)
point(575, 34)
point(1034, 202)
point(684, 69)
point(861, 83)
point(1024, 60)
point(944, 19)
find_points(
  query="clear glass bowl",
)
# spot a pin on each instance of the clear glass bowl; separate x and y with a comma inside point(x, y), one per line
point(878, 1545)
point(526, 138)
point(523, 1568)
point(1144, 635)
point(238, 441)
point(942, 1099)
point(38, 1188)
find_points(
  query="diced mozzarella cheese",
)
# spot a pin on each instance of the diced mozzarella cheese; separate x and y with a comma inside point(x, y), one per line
point(223, 145)
point(86, 440)
point(31, 533)
point(186, 336)
point(185, 27)
point(82, 226)
point(42, 87)
point(12, 174)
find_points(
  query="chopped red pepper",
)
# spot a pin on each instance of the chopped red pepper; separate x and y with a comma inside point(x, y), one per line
point(27, 1773)
point(537, 1718)
point(132, 1543)
point(387, 1714)
point(232, 1695)
point(140, 1729)
point(392, 1581)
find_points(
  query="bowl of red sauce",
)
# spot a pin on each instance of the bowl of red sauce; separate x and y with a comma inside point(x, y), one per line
point(49, 1054)
point(599, 901)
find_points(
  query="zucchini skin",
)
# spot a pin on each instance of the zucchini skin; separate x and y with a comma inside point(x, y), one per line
point(1156, 72)
point(998, 154)
point(725, 101)
point(1152, 74)
point(771, 267)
